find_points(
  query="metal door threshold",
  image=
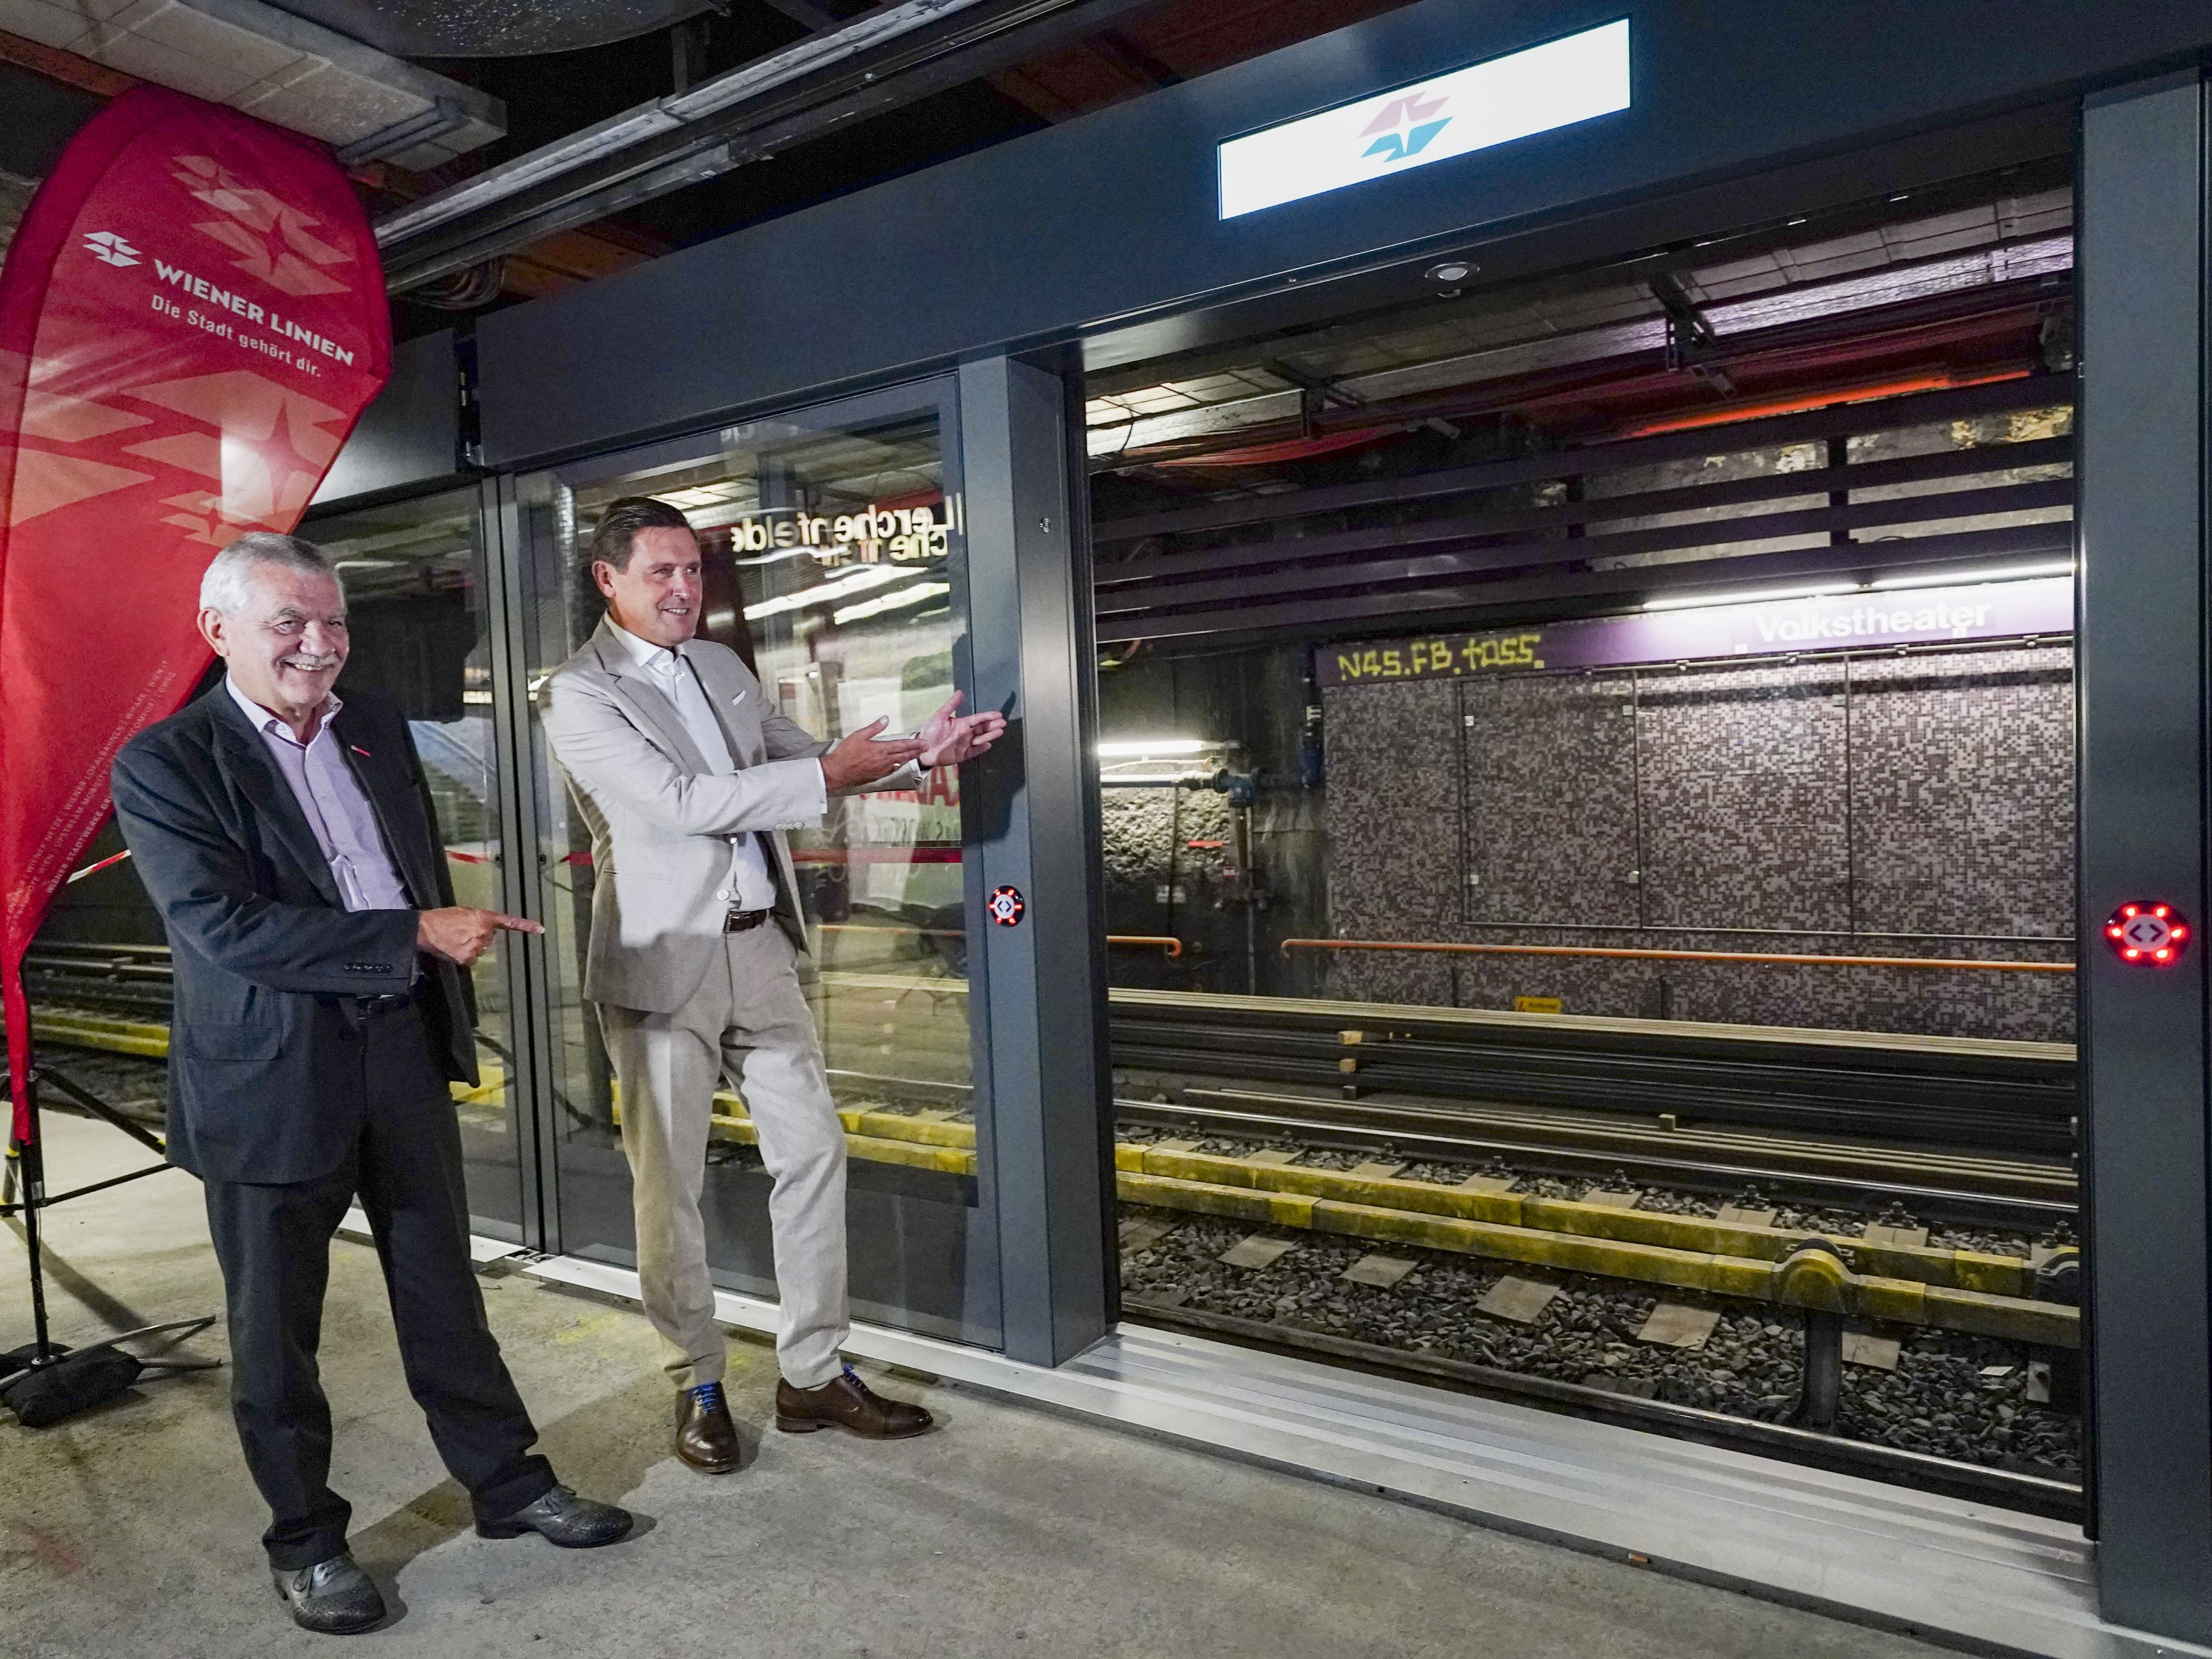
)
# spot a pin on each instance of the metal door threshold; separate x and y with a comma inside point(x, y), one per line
point(1964, 1574)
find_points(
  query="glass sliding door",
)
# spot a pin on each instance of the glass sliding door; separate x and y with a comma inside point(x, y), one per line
point(415, 582)
point(833, 565)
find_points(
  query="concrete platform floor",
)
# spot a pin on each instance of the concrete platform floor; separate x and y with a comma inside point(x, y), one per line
point(133, 1530)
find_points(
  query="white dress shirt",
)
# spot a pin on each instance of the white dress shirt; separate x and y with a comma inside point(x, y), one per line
point(752, 887)
point(331, 799)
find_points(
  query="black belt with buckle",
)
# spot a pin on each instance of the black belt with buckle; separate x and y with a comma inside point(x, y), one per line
point(744, 921)
point(388, 1002)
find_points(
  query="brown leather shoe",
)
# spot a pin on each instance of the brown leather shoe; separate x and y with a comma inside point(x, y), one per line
point(705, 1438)
point(846, 1402)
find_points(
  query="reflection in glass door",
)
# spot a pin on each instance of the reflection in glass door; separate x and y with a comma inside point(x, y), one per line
point(416, 595)
point(833, 565)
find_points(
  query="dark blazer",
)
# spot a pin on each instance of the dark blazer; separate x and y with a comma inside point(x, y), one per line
point(265, 1080)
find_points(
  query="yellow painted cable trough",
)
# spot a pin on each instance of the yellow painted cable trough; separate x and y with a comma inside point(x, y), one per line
point(1964, 1291)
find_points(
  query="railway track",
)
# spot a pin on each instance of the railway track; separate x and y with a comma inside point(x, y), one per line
point(1968, 1189)
point(1979, 1133)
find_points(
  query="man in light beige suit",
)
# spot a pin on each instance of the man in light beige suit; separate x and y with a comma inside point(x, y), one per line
point(688, 781)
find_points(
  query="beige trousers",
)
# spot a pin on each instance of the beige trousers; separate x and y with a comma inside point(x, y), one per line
point(748, 1021)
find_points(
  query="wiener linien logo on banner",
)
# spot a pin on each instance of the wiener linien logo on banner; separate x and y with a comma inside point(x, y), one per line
point(111, 249)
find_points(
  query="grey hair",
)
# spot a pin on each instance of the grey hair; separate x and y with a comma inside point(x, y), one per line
point(223, 587)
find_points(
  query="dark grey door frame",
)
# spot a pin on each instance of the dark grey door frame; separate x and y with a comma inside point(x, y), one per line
point(1032, 811)
point(1044, 1170)
point(2145, 819)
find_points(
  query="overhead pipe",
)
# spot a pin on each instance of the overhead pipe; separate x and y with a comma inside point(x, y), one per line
point(1240, 787)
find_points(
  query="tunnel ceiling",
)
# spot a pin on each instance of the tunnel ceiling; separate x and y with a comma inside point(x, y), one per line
point(492, 28)
point(1962, 286)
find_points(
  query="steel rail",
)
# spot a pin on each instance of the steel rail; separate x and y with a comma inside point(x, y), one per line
point(1973, 1056)
point(1617, 952)
point(1835, 1100)
point(1708, 1175)
point(1991, 1172)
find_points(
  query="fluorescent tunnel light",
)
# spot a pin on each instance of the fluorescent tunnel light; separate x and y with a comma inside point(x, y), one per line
point(1136, 748)
point(1968, 578)
point(1772, 596)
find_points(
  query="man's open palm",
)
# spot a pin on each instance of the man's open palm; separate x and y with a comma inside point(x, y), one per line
point(949, 737)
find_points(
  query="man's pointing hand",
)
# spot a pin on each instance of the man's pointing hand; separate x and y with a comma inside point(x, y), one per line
point(460, 934)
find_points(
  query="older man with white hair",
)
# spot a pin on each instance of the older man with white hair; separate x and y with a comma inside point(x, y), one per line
point(289, 842)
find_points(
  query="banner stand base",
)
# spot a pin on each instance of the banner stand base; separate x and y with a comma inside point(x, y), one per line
point(43, 1382)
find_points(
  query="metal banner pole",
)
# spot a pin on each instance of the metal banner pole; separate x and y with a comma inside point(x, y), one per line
point(30, 1164)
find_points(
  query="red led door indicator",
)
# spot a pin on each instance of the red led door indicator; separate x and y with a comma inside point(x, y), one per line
point(2149, 933)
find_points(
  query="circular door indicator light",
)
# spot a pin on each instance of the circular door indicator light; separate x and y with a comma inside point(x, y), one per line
point(1006, 905)
point(2149, 933)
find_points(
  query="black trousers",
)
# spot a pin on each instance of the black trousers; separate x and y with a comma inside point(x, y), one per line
point(273, 1242)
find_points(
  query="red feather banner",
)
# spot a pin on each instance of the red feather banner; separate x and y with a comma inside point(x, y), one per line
point(192, 317)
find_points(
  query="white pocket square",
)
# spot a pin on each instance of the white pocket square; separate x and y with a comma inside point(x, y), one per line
point(741, 697)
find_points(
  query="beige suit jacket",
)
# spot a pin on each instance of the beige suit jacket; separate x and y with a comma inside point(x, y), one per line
point(660, 820)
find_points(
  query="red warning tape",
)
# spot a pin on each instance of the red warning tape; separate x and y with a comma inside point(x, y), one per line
point(94, 869)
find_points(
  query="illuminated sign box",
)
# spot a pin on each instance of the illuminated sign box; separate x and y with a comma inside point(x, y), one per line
point(1524, 93)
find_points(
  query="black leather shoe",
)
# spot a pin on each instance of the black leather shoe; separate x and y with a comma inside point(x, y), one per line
point(334, 1596)
point(562, 1518)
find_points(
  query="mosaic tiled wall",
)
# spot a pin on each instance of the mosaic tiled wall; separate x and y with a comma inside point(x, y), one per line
point(1825, 807)
point(1393, 833)
point(1740, 796)
point(1962, 796)
point(1550, 795)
